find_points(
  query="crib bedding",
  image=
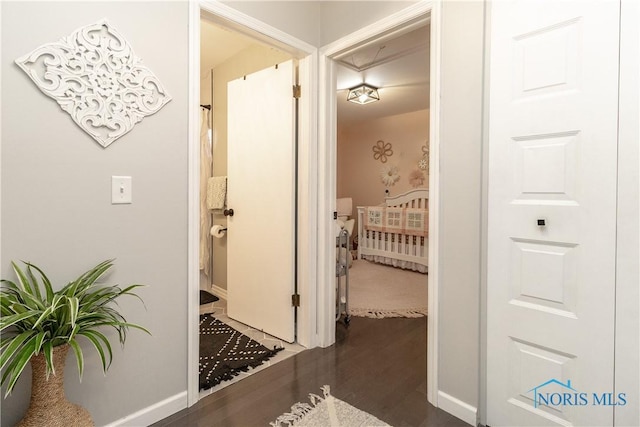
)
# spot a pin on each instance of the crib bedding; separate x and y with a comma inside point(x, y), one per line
point(396, 233)
point(409, 221)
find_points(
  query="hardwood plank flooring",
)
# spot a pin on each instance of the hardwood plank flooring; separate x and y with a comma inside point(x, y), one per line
point(376, 365)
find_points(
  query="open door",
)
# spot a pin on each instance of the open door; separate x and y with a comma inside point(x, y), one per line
point(261, 192)
point(552, 213)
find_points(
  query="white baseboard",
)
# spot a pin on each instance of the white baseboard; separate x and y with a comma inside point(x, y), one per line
point(219, 292)
point(457, 408)
point(154, 413)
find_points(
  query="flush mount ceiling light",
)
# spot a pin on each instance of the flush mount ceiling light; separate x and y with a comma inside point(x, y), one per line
point(363, 94)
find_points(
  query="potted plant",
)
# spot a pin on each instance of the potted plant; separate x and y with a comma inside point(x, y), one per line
point(39, 326)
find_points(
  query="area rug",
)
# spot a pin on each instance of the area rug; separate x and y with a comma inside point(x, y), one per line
point(326, 411)
point(379, 291)
point(207, 298)
point(225, 352)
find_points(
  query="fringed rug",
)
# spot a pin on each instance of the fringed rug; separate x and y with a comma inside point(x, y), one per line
point(225, 352)
point(326, 411)
point(379, 291)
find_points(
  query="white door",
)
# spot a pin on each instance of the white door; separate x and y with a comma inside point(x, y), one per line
point(261, 192)
point(552, 158)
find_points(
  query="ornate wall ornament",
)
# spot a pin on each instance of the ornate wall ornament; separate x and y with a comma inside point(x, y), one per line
point(94, 75)
point(382, 150)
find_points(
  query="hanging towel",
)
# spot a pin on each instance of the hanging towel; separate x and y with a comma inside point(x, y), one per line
point(216, 192)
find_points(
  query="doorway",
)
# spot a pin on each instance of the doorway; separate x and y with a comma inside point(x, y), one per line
point(242, 81)
point(248, 49)
point(410, 18)
point(382, 158)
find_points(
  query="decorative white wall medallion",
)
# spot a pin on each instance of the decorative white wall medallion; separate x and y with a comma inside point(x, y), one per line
point(95, 76)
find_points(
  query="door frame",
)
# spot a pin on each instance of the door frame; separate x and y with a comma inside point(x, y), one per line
point(307, 333)
point(425, 11)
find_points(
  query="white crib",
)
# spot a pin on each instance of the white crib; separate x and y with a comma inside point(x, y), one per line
point(396, 249)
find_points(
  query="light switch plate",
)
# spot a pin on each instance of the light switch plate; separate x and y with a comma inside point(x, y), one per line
point(120, 190)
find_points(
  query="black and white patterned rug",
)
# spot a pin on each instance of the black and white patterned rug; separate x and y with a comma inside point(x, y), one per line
point(225, 352)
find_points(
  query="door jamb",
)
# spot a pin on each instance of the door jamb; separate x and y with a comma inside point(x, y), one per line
point(327, 173)
point(307, 188)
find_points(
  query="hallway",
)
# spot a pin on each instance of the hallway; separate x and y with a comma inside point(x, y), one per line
point(378, 366)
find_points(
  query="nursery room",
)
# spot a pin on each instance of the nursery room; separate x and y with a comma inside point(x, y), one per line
point(383, 177)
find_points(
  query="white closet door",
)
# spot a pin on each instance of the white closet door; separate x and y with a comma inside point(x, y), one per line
point(261, 192)
point(553, 142)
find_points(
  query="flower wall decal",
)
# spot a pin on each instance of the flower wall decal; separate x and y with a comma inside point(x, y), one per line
point(389, 175)
point(423, 163)
point(416, 178)
point(382, 150)
point(94, 75)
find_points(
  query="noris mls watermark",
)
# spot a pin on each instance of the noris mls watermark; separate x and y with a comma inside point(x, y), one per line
point(555, 393)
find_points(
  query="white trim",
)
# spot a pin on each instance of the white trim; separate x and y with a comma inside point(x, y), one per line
point(307, 282)
point(457, 408)
point(627, 341)
point(412, 15)
point(154, 413)
point(417, 13)
point(258, 30)
point(218, 291)
point(193, 203)
point(307, 201)
point(327, 117)
point(433, 303)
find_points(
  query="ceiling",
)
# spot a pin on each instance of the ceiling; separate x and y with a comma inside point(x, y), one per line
point(399, 67)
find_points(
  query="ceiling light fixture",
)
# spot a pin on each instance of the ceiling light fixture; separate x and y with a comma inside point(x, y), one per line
point(363, 94)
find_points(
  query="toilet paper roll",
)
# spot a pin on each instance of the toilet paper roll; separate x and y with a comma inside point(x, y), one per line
point(218, 231)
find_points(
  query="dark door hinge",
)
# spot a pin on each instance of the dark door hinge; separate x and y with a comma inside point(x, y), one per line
point(295, 300)
point(297, 91)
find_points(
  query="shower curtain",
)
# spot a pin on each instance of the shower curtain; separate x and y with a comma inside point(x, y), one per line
point(205, 173)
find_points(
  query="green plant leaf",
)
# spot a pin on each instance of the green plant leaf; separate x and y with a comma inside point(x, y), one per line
point(7, 321)
point(98, 340)
point(19, 362)
point(16, 347)
point(22, 279)
point(79, 357)
point(47, 350)
point(34, 283)
point(45, 280)
point(39, 340)
point(74, 305)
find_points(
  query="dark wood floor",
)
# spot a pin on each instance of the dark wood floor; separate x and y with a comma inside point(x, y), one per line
point(378, 366)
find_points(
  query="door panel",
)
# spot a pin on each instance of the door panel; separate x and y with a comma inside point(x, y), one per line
point(552, 157)
point(261, 191)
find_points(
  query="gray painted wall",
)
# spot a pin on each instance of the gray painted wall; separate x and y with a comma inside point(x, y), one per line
point(56, 199)
point(460, 191)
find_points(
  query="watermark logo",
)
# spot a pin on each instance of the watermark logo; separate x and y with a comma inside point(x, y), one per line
point(555, 393)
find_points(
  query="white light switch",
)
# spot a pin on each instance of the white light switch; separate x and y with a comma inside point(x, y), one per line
point(120, 190)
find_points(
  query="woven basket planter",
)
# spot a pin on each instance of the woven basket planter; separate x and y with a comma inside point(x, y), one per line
point(49, 406)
